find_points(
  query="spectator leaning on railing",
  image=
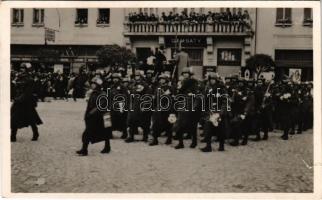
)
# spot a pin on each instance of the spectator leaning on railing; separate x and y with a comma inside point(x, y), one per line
point(226, 21)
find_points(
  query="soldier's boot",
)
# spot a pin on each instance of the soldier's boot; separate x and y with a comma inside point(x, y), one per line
point(169, 137)
point(207, 148)
point(193, 143)
point(194, 139)
point(35, 133)
point(124, 134)
point(13, 137)
point(285, 135)
point(168, 141)
point(258, 137)
point(107, 147)
point(179, 146)
point(155, 138)
point(265, 135)
point(221, 146)
point(131, 135)
point(145, 135)
point(292, 131)
point(83, 151)
point(245, 140)
point(234, 143)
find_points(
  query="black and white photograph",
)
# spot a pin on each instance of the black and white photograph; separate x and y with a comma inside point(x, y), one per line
point(163, 99)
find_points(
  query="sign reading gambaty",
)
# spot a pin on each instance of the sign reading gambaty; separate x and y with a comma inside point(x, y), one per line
point(185, 41)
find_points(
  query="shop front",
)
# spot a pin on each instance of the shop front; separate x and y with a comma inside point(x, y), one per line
point(294, 63)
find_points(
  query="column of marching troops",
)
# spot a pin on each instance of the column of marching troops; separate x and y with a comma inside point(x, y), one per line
point(249, 109)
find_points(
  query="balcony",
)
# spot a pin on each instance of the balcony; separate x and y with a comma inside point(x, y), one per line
point(235, 28)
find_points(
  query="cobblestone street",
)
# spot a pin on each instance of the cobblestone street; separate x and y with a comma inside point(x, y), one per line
point(51, 164)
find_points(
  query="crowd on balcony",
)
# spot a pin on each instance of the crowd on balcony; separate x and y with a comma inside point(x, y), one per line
point(192, 17)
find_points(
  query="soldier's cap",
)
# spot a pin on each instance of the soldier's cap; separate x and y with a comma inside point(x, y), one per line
point(126, 79)
point(121, 69)
point(212, 75)
point(150, 71)
point(164, 76)
point(25, 65)
point(97, 81)
point(187, 70)
point(99, 71)
point(139, 73)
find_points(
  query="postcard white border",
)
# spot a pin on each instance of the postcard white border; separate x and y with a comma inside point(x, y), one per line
point(5, 95)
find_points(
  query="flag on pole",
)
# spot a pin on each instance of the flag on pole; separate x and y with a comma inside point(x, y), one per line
point(49, 34)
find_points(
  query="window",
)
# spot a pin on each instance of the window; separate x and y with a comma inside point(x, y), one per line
point(308, 16)
point(38, 16)
point(283, 16)
point(230, 57)
point(103, 16)
point(81, 16)
point(17, 16)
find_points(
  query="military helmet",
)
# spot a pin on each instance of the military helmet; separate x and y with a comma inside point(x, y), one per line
point(97, 81)
point(150, 71)
point(164, 76)
point(187, 70)
point(116, 75)
point(126, 79)
point(25, 65)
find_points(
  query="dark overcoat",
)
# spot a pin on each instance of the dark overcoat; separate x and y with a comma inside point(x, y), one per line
point(94, 123)
point(23, 109)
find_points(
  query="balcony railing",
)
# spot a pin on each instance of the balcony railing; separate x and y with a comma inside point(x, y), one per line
point(220, 28)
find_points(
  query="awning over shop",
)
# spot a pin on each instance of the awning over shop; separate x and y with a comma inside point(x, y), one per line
point(294, 58)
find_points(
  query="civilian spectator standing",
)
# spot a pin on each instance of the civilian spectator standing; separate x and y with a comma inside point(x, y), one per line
point(182, 60)
point(159, 61)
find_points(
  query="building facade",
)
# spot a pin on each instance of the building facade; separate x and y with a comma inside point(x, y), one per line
point(79, 33)
point(286, 35)
point(283, 33)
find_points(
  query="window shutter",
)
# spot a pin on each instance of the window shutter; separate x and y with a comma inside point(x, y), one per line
point(279, 14)
point(288, 13)
point(21, 15)
point(307, 13)
point(42, 15)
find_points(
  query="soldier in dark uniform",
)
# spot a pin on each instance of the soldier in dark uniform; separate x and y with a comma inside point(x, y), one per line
point(187, 118)
point(137, 116)
point(249, 123)
point(119, 115)
point(239, 97)
point(97, 123)
point(161, 119)
point(266, 111)
point(285, 108)
point(217, 120)
point(23, 109)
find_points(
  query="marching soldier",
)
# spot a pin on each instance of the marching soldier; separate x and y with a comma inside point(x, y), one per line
point(249, 127)
point(118, 114)
point(237, 104)
point(188, 117)
point(137, 116)
point(285, 108)
point(217, 120)
point(162, 119)
point(266, 112)
point(97, 122)
point(23, 109)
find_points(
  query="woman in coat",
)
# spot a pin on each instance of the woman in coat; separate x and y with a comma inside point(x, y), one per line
point(98, 125)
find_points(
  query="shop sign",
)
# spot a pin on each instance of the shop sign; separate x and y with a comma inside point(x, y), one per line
point(185, 41)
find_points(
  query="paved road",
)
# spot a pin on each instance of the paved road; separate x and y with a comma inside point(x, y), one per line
point(51, 165)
